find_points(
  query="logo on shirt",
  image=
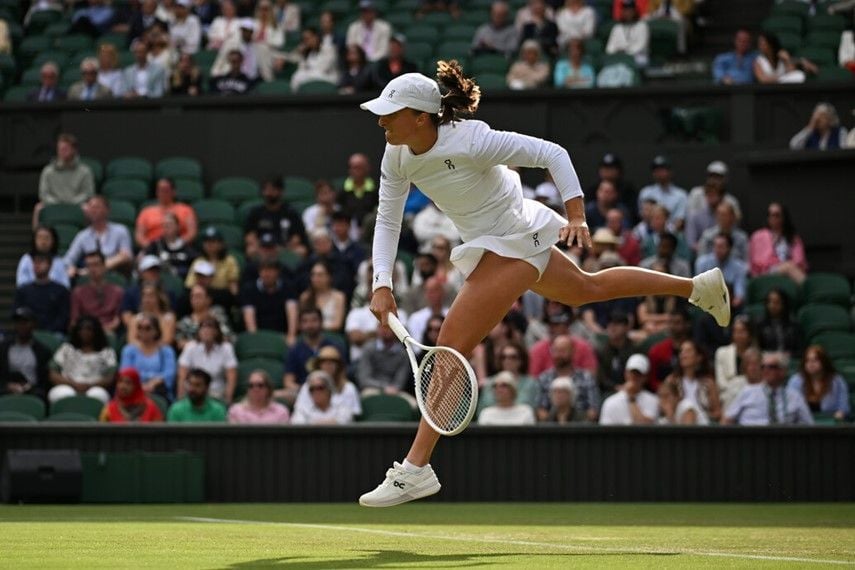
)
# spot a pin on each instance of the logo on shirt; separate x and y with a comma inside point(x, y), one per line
point(449, 164)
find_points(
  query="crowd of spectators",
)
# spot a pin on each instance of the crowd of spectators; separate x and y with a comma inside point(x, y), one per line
point(167, 309)
point(189, 48)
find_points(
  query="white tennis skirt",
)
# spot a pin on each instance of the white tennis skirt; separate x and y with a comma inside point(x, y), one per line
point(530, 238)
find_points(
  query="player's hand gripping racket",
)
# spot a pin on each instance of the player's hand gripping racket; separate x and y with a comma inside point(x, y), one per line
point(446, 387)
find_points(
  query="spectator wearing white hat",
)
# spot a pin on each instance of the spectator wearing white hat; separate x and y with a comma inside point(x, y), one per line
point(631, 405)
point(529, 71)
point(369, 32)
point(562, 398)
point(149, 274)
point(254, 62)
point(186, 30)
point(506, 412)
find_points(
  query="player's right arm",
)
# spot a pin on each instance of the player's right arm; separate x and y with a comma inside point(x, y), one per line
point(390, 212)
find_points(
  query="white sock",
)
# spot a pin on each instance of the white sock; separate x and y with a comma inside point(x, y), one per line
point(411, 467)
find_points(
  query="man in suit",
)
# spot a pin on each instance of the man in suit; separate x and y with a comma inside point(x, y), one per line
point(144, 18)
point(48, 91)
point(143, 78)
point(88, 88)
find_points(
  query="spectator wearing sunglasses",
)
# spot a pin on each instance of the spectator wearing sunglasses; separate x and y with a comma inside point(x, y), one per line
point(323, 410)
point(259, 407)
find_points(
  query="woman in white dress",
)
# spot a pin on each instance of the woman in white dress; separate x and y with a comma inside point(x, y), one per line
point(773, 64)
point(508, 241)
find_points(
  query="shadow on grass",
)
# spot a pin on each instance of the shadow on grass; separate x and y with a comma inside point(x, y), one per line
point(396, 558)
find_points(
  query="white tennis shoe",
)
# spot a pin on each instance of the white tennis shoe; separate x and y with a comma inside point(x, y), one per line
point(402, 486)
point(709, 292)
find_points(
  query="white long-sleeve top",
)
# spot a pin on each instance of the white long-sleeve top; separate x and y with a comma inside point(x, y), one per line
point(578, 25)
point(465, 174)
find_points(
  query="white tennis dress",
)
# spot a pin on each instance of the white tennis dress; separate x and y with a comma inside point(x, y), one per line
point(464, 173)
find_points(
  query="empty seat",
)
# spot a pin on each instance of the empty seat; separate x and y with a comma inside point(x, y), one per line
point(827, 288)
point(188, 191)
point(130, 167)
point(25, 404)
point(261, 344)
point(235, 189)
point(299, 189)
point(96, 167)
point(214, 212)
point(62, 214)
point(386, 408)
point(838, 344)
point(317, 88)
point(78, 405)
point(177, 167)
point(818, 318)
point(277, 87)
point(488, 63)
point(123, 212)
point(128, 189)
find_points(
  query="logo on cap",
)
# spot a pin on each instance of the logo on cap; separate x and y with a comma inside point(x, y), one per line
point(391, 93)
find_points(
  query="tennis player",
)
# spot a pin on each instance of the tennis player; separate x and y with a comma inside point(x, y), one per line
point(508, 241)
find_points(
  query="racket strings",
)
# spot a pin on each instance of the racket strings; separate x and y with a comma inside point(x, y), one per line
point(446, 389)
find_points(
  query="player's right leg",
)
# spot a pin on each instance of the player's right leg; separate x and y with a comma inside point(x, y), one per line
point(483, 301)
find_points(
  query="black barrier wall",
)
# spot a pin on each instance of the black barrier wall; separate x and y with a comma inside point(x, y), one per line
point(297, 464)
point(313, 136)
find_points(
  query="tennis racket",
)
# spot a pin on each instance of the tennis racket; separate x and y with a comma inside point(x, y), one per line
point(446, 387)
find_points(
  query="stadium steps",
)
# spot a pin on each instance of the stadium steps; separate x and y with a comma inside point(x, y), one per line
point(14, 241)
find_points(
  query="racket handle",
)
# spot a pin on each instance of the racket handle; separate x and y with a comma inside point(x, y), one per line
point(397, 327)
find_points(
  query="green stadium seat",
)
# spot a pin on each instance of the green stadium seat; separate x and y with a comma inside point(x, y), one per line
point(792, 8)
point(119, 41)
point(618, 58)
point(419, 51)
point(31, 46)
point(475, 17)
point(648, 343)
point(8, 67)
point(261, 344)
point(60, 58)
point(479, 5)
point(71, 417)
point(790, 41)
point(594, 48)
point(838, 344)
point(177, 167)
point(299, 189)
point(758, 287)
point(130, 167)
point(696, 123)
point(188, 191)
point(73, 43)
point(826, 22)
point(123, 212)
point(235, 189)
point(57, 29)
point(411, 5)
point(214, 212)
point(17, 94)
point(75, 60)
point(604, 29)
point(386, 408)
point(96, 167)
point(488, 63)
point(818, 318)
point(823, 39)
point(30, 406)
point(232, 235)
point(663, 38)
point(492, 82)
point(783, 24)
point(821, 56)
point(244, 209)
point(42, 19)
point(126, 58)
point(205, 59)
point(79, 405)
point(16, 417)
point(453, 50)
point(290, 259)
point(277, 87)
point(274, 369)
point(51, 340)
point(161, 403)
point(438, 19)
point(32, 77)
point(421, 33)
point(128, 189)
point(400, 19)
point(835, 74)
point(459, 33)
point(172, 283)
point(116, 279)
point(65, 234)
point(62, 214)
point(337, 7)
point(830, 288)
point(317, 88)
point(846, 368)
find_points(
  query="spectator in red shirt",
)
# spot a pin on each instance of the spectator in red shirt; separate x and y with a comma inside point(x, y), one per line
point(663, 355)
point(149, 226)
point(97, 297)
point(540, 356)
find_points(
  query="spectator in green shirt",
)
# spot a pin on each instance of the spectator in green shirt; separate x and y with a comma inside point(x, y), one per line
point(197, 406)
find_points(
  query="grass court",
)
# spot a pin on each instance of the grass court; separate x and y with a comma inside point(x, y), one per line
point(428, 535)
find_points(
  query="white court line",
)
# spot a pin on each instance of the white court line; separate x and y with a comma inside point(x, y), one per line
point(575, 548)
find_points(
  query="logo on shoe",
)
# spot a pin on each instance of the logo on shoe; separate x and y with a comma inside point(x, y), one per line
point(398, 484)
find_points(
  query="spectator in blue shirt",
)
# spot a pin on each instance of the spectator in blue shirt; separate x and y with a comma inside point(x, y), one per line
point(735, 270)
point(111, 239)
point(736, 67)
point(305, 349)
point(573, 72)
point(824, 390)
point(154, 362)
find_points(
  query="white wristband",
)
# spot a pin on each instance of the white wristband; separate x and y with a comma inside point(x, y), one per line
point(382, 279)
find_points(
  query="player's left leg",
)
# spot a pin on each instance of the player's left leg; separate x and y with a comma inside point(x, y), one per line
point(564, 282)
point(483, 300)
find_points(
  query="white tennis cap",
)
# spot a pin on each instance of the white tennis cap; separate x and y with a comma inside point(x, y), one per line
point(412, 90)
point(639, 363)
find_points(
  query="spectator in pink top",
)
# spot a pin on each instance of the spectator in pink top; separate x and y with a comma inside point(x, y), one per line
point(259, 407)
point(777, 248)
point(540, 355)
